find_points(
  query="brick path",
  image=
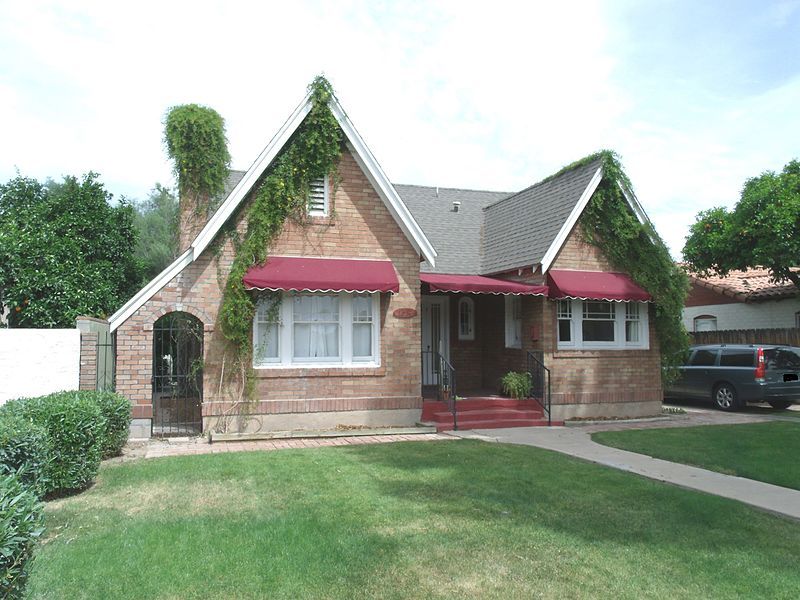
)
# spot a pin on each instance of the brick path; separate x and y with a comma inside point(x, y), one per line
point(156, 448)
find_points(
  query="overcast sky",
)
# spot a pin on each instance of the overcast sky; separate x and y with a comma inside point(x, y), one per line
point(695, 96)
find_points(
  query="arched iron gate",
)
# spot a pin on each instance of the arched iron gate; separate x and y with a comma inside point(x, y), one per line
point(177, 375)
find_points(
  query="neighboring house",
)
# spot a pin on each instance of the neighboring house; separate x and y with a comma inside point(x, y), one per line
point(741, 300)
point(382, 280)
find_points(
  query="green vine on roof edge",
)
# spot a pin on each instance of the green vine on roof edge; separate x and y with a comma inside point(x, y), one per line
point(311, 153)
point(636, 248)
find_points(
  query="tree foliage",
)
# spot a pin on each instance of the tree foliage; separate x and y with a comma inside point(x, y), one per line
point(762, 230)
point(64, 251)
point(156, 222)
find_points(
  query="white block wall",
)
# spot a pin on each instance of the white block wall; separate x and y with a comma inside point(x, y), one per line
point(34, 362)
point(758, 315)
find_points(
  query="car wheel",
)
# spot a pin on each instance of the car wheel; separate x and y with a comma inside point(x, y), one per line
point(725, 397)
point(780, 404)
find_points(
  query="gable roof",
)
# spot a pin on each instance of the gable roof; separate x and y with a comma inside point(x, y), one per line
point(752, 285)
point(242, 187)
point(521, 229)
point(456, 235)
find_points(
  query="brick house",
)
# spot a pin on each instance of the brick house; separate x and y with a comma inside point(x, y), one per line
point(386, 298)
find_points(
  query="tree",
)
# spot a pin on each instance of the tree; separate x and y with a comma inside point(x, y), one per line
point(763, 229)
point(64, 251)
point(156, 222)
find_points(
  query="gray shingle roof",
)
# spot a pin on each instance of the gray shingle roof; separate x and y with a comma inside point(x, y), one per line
point(518, 230)
point(455, 235)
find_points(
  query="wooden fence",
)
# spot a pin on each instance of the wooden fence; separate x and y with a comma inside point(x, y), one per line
point(789, 336)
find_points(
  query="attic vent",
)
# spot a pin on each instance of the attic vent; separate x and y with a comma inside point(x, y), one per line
point(456, 206)
point(318, 197)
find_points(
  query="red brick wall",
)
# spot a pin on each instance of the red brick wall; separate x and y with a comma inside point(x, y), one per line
point(360, 226)
point(597, 376)
point(87, 377)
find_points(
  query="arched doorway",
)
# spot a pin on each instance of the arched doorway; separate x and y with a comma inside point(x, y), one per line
point(177, 375)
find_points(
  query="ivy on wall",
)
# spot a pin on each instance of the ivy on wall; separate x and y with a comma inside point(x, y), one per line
point(609, 223)
point(311, 153)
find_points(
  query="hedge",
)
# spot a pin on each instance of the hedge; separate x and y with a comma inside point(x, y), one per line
point(21, 524)
point(76, 427)
point(117, 411)
point(25, 451)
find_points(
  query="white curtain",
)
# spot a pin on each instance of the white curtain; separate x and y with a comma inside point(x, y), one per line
point(316, 326)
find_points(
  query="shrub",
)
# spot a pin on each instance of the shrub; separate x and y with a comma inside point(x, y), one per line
point(76, 427)
point(24, 451)
point(517, 385)
point(117, 412)
point(21, 524)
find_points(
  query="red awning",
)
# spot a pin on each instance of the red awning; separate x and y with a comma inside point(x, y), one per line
point(322, 275)
point(593, 285)
point(476, 284)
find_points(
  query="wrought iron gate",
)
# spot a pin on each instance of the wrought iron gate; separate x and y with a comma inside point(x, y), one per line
point(177, 375)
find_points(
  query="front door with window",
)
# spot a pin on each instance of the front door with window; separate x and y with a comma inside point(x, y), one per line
point(435, 336)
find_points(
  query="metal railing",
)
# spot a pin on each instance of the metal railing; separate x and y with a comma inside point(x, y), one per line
point(540, 381)
point(439, 373)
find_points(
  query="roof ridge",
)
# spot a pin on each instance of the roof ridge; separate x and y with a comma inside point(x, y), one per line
point(550, 178)
point(456, 189)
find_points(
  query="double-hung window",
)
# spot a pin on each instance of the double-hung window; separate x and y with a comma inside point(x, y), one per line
point(596, 324)
point(316, 329)
point(513, 321)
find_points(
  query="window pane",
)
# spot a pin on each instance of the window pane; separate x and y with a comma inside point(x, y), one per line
point(737, 358)
point(598, 331)
point(631, 311)
point(316, 309)
point(703, 358)
point(266, 342)
point(362, 309)
point(631, 331)
point(598, 310)
point(564, 309)
point(564, 331)
point(362, 340)
point(316, 341)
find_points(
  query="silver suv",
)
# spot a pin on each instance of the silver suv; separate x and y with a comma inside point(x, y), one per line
point(731, 375)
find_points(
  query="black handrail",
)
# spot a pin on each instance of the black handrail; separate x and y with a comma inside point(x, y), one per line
point(540, 381)
point(438, 369)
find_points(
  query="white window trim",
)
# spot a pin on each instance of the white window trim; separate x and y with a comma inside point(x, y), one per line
point(470, 304)
point(326, 203)
point(619, 343)
point(345, 360)
point(709, 318)
point(511, 323)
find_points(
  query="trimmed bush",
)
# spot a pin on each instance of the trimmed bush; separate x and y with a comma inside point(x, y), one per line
point(117, 411)
point(24, 451)
point(76, 427)
point(21, 524)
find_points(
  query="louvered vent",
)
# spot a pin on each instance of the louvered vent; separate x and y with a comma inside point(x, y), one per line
point(317, 198)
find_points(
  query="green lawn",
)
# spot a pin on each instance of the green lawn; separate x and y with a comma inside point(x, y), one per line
point(762, 451)
point(408, 520)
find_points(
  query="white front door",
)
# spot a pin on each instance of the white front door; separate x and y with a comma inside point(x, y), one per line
point(435, 336)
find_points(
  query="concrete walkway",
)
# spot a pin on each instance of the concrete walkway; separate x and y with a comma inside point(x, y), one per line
point(576, 441)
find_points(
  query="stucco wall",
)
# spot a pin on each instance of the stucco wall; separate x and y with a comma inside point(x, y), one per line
point(34, 362)
point(757, 315)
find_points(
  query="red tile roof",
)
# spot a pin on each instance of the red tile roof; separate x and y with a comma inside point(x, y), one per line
point(748, 286)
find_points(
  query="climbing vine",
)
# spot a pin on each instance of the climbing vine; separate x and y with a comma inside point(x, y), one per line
point(610, 224)
point(312, 152)
point(195, 139)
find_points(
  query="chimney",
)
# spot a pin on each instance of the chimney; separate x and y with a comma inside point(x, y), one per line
point(192, 217)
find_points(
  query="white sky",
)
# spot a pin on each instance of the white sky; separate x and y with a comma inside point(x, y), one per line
point(695, 96)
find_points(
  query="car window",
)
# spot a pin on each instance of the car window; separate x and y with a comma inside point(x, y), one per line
point(740, 357)
point(782, 358)
point(703, 358)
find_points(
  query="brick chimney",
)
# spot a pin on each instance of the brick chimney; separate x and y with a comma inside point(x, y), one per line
point(192, 217)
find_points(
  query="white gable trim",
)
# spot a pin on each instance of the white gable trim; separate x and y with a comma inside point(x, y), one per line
point(363, 157)
point(578, 209)
point(573, 217)
point(147, 292)
point(385, 189)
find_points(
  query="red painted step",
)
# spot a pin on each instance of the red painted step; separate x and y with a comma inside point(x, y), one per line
point(485, 413)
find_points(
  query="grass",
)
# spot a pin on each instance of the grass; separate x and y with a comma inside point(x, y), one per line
point(408, 520)
point(762, 451)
